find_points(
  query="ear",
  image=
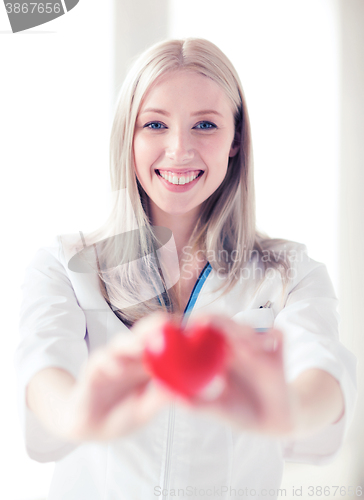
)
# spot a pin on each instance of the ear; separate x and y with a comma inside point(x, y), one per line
point(235, 146)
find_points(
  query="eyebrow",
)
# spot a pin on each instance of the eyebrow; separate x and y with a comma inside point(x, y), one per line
point(197, 113)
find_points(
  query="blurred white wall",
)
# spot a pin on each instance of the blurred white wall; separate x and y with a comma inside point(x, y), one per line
point(56, 99)
point(352, 205)
point(137, 25)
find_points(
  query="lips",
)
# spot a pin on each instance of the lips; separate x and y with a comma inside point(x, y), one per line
point(174, 178)
point(190, 171)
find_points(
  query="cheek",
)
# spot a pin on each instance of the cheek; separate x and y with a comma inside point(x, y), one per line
point(216, 152)
point(139, 148)
point(145, 151)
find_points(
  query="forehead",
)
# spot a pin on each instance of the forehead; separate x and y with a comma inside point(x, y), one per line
point(186, 87)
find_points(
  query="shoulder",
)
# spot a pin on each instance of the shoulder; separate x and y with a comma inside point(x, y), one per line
point(292, 254)
point(301, 270)
point(279, 245)
point(55, 252)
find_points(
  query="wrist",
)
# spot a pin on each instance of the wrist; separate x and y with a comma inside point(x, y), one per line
point(49, 396)
point(316, 401)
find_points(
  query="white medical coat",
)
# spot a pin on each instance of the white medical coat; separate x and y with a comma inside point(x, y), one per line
point(179, 453)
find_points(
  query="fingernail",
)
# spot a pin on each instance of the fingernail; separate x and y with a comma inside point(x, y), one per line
point(269, 344)
point(213, 389)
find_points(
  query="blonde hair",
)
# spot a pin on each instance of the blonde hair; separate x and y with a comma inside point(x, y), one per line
point(227, 219)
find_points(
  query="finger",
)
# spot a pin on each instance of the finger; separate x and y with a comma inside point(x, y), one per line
point(124, 369)
point(270, 341)
point(233, 401)
point(232, 331)
point(227, 325)
point(212, 391)
point(145, 326)
point(128, 345)
point(238, 334)
point(104, 364)
point(133, 343)
point(135, 410)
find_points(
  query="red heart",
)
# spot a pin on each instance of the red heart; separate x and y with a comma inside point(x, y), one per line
point(186, 360)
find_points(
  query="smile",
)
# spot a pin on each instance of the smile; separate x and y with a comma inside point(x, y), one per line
point(179, 179)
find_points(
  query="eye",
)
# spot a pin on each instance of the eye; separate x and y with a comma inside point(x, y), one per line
point(205, 126)
point(155, 125)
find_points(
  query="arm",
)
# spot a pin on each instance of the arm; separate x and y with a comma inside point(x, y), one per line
point(317, 401)
point(111, 397)
point(48, 396)
point(256, 395)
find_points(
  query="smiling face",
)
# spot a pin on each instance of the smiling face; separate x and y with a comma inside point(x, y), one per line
point(182, 142)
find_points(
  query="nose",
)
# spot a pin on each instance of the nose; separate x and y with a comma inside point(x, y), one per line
point(179, 146)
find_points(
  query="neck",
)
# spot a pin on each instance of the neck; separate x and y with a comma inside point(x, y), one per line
point(181, 225)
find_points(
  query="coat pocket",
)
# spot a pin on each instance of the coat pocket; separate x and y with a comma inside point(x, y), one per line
point(261, 319)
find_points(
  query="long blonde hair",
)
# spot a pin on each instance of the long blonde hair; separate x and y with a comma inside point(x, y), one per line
point(227, 220)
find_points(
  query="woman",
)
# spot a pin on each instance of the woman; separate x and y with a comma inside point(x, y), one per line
point(181, 239)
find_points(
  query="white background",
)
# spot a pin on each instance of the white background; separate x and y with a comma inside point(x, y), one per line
point(56, 97)
point(56, 101)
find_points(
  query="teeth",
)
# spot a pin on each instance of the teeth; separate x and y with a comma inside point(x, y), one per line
point(173, 179)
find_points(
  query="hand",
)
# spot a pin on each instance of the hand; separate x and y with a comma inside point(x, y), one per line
point(114, 394)
point(254, 394)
